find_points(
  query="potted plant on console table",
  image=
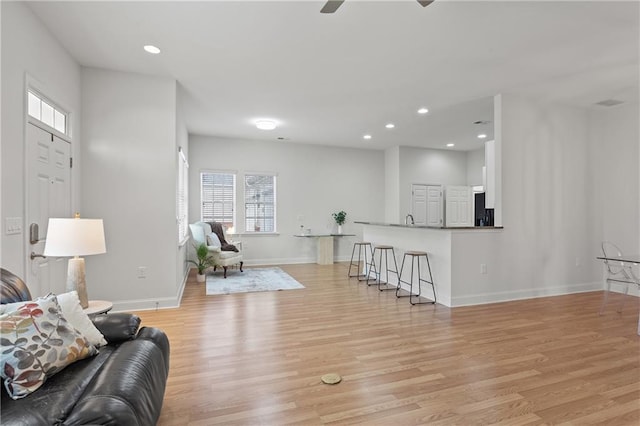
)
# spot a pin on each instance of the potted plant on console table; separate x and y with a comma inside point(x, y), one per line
point(340, 218)
point(204, 261)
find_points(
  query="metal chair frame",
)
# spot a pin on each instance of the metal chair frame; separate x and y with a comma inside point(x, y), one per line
point(377, 274)
point(411, 294)
point(359, 275)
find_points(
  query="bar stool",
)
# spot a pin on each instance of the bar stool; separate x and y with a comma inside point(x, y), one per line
point(377, 274)
point(416, 255)
point(362, 252)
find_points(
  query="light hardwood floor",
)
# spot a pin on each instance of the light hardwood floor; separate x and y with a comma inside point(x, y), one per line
point(257, 358)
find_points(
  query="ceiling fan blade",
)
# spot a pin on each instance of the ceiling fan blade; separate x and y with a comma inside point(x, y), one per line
point(425, 3)
point(331, 6)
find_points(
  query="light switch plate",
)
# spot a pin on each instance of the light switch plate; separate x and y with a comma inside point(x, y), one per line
point(13, 225)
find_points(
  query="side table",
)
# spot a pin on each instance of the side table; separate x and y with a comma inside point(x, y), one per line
point(98, 307)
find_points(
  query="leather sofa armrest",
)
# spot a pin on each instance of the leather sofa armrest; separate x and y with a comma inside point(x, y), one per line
point(117, 327)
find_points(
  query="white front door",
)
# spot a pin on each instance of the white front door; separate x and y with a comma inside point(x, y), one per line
point(48, 195)
point(458, 206)
point(419, 204)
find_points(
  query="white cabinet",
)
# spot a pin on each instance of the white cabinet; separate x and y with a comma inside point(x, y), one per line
point(490, 174)
point(457, 208)
point(426, 204)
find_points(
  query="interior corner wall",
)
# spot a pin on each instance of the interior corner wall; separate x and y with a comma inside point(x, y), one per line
point(29, 49)
point(129, 179)
point(312, 183)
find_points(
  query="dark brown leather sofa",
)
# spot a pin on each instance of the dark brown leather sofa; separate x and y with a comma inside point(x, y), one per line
point(122, 385)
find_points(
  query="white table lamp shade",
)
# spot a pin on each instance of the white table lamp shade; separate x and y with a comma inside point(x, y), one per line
point(75, 237)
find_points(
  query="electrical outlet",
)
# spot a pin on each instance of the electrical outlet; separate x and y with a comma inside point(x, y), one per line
point(142, 272)
point(483, 268)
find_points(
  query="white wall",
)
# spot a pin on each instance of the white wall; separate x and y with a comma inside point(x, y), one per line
point(475, 163)
point(615, 174)
point(29, 49)
point(549, 241)
point(392, 184)
point(428, 166)
point(129, 180)
point(312, 182)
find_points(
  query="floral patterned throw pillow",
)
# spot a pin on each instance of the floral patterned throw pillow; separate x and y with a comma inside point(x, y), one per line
point(36, 341)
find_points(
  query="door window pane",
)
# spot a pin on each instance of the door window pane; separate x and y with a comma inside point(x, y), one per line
point(34, 106)
point(47, 114)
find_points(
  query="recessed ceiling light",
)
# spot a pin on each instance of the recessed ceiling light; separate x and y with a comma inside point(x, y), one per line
point(390, 125)
point(451, 144)
point(423, 110)
point(152, 49)
point(482, 136)
point(366, 137)
point(265, 124)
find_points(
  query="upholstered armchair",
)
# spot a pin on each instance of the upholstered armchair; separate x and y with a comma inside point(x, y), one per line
point(201, 232)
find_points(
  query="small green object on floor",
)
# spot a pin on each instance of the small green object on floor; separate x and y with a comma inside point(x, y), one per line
point(331, 379)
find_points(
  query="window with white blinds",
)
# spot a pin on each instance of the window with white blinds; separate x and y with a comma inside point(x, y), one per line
point(260, 203)
point(218, 197)
point(182, 202)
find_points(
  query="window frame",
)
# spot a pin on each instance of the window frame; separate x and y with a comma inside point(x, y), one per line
point(56, 108)
point(274, 218)
point(232, 198)
point(182, 198)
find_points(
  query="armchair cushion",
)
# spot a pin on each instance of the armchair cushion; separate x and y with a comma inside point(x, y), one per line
point(213, 240)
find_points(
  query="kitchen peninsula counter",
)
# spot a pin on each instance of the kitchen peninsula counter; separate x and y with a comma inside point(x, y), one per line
point(461, 259)
point(452, 228)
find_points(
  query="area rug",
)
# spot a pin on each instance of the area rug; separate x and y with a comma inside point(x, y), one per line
point(252, 279)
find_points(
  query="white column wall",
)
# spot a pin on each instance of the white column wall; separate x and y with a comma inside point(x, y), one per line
point(129, 180)
point(29, 49)
point(312, 183)
point(548, 244)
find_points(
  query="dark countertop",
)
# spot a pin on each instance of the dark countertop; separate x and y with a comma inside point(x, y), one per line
point(402, 225)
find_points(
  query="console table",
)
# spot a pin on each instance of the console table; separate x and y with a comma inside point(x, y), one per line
point(325, 246)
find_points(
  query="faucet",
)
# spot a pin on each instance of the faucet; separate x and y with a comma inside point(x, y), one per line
point(406, 219)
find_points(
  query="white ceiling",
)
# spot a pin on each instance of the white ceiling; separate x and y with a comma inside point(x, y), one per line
point(329, 79)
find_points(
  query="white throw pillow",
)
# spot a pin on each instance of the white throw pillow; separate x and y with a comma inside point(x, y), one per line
point(213, 240)
point(72, 311)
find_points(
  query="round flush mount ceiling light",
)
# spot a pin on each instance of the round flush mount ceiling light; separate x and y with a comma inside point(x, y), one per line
point(482, 136)
point(366, 137)
point(265, 124)
point(450, 145)
point(423, 110)
point(150, 48)
point(390, 125)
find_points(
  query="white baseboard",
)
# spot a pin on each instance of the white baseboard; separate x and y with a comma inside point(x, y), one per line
point(289, 261)
point(153, 303)
point(505, 296)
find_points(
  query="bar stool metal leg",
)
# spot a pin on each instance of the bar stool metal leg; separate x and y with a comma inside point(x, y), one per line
point(386, 264)
point(412, 294)
point(362, 257)
point(378, 269)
